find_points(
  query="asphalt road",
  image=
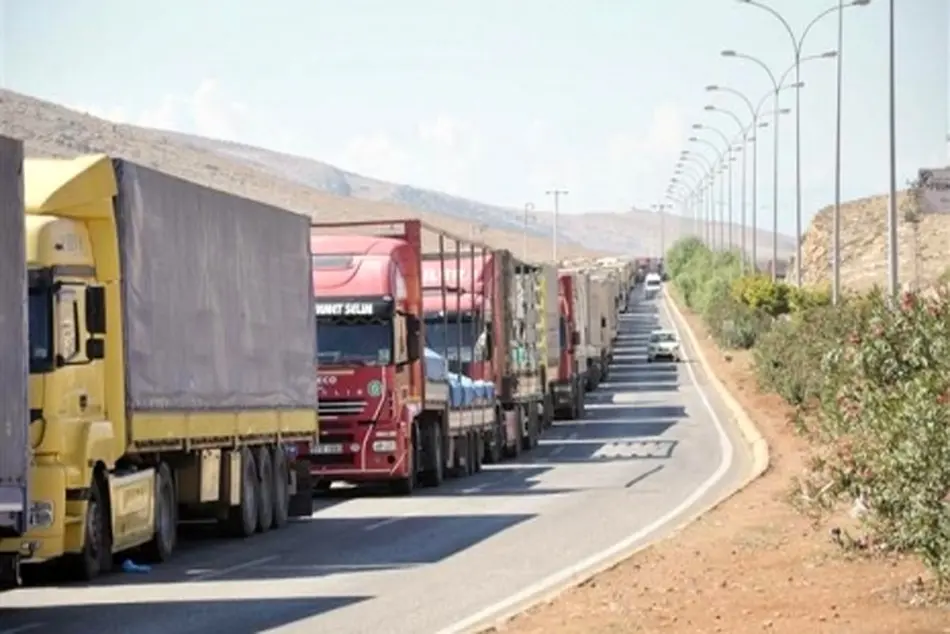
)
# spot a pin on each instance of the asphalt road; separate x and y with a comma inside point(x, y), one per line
point(650, 450)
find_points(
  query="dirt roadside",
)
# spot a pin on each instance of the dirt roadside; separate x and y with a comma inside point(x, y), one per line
point(753, 564)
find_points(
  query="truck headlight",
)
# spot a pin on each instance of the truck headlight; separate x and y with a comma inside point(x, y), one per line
point(384, 446)
point(41, 514)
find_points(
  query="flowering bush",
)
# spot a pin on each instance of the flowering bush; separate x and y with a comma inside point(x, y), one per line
point(871, 380)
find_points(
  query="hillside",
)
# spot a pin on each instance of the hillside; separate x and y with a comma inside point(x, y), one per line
point(52, 130)
point(923, 245)
point(325, 191)
point(627, 233)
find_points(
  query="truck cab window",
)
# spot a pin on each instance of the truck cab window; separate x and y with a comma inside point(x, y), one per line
point(40, 309)
point(354, 340)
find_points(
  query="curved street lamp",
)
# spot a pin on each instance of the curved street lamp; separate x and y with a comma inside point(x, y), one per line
point(730, 157)
point(757, 114)
point(798, 42)
point(777, 85)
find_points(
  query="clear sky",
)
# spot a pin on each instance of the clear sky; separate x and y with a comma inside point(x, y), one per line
point(496, 100)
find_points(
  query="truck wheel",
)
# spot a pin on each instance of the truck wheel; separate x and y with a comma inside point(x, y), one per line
point(530, 416)
point(435, 474)
point(513, 450)
point(405, 486)
point(581, 402)
point(478, 451)
point(265, 489)
point(96, 555)
point(242, 519)
point(166, 517)
point(493, 441)
point(281, 487)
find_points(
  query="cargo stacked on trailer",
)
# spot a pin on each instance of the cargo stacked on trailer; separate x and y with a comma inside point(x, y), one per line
point(170, 362)
point(499, 301)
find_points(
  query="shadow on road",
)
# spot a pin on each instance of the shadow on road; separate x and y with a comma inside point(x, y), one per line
point(247, 616)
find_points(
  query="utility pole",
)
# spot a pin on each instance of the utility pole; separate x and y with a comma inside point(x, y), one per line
point(528, 208)
point(557, 193)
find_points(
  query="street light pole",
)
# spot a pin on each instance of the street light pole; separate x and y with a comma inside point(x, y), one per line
point(557, 193)
point(797, 44)
point(892, 279)
point(528, 208)
point(836, 218)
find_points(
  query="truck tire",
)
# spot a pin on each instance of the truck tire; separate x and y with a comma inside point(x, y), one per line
point(163, 543)
point(580, 408)
point(96, 555)
point(281, 486)
point(242, 519)
point(478, 450)
point(494, 444)
point(513, 450)
point(405, 486)
point(531, 426)
point(265, 489)
point(435, 474)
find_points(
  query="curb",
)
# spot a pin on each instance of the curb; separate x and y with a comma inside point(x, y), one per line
point(498, 621)
point(757, 443)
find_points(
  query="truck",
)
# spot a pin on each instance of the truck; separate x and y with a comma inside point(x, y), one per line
point(170, 367)
point(395, 405)
point(569, 393)
point(604, 295)
point(587, 349)
point(505, 302)
point(552, 342)
point(14, 362)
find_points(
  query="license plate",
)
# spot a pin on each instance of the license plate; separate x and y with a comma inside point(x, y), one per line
point(330, 448)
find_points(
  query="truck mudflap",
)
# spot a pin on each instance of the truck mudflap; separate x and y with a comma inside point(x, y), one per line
point(302, 488)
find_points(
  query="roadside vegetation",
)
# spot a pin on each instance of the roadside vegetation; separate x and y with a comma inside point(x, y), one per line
point(870, 384)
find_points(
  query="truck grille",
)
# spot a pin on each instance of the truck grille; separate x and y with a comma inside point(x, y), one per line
point(334, 408)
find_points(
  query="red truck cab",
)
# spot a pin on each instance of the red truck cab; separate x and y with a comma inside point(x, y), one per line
point(371, 386)
point(568, 389)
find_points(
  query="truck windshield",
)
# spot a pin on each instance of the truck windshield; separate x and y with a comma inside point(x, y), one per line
point(354, 343)
point(40, 309)
point(448, 339)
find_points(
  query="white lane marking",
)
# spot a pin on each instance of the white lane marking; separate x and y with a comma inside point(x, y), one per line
point(26, 627)
point(385, 522)
point(554, 452)
point(220, 572)
point(565, 574)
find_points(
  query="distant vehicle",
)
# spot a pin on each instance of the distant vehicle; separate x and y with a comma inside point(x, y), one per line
point(652, 284)
point(664, 344)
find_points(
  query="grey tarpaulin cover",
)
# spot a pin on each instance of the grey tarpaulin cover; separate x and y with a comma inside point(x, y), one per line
point(14, 362)
point(218, 298)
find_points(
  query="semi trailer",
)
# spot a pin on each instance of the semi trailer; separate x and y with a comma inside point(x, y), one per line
point(171, 362)
point(395, 405)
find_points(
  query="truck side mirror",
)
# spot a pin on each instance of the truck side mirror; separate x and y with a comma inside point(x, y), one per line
point(575, 338)
point(96, 310)
point(413, 338)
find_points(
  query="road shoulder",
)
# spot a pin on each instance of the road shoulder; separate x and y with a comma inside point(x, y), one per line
point(751, 563)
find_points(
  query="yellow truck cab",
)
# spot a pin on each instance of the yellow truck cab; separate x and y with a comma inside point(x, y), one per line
point(145, 314)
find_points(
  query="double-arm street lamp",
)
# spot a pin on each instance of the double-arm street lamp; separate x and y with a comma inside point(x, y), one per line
point(798, 42)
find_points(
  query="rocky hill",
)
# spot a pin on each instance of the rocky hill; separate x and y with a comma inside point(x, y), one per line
point(923, 244)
